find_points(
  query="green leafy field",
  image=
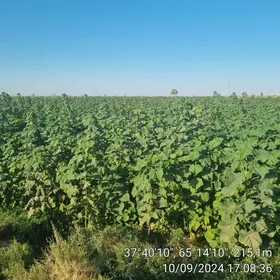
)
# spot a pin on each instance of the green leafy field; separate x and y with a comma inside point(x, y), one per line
point(207, 167)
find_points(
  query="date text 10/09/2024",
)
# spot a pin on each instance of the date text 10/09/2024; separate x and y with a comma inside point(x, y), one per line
point(217, 268)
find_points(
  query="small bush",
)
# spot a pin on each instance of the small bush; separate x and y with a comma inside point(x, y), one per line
point(14, 259)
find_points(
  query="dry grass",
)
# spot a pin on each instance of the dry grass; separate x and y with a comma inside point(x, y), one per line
point(64, 260)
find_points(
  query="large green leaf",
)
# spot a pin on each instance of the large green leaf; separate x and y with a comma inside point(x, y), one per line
point(195, 169)
point(249, 206)
point(228, 207)
point(204, 196)
point(262, 171)
point(228, 229)
point(251, 239)
point(159, 173)
point(264, 156)
point(215, 142)
point(261, 226)
point(125, 197)
point(233, 180)
point(162, 203)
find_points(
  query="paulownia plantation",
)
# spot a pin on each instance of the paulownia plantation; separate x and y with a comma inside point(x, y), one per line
point(209, 166)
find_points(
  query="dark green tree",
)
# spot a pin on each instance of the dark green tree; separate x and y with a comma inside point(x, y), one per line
point(174, 92)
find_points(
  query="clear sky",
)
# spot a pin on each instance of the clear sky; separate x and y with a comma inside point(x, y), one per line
point(137, 47)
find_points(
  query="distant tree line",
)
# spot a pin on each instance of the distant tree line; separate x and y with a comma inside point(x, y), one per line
point(234, 95)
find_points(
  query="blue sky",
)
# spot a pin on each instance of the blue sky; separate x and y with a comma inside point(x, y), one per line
point(137, 47)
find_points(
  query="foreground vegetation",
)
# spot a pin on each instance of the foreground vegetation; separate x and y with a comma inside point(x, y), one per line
point(99, 254)
point(201, 171)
